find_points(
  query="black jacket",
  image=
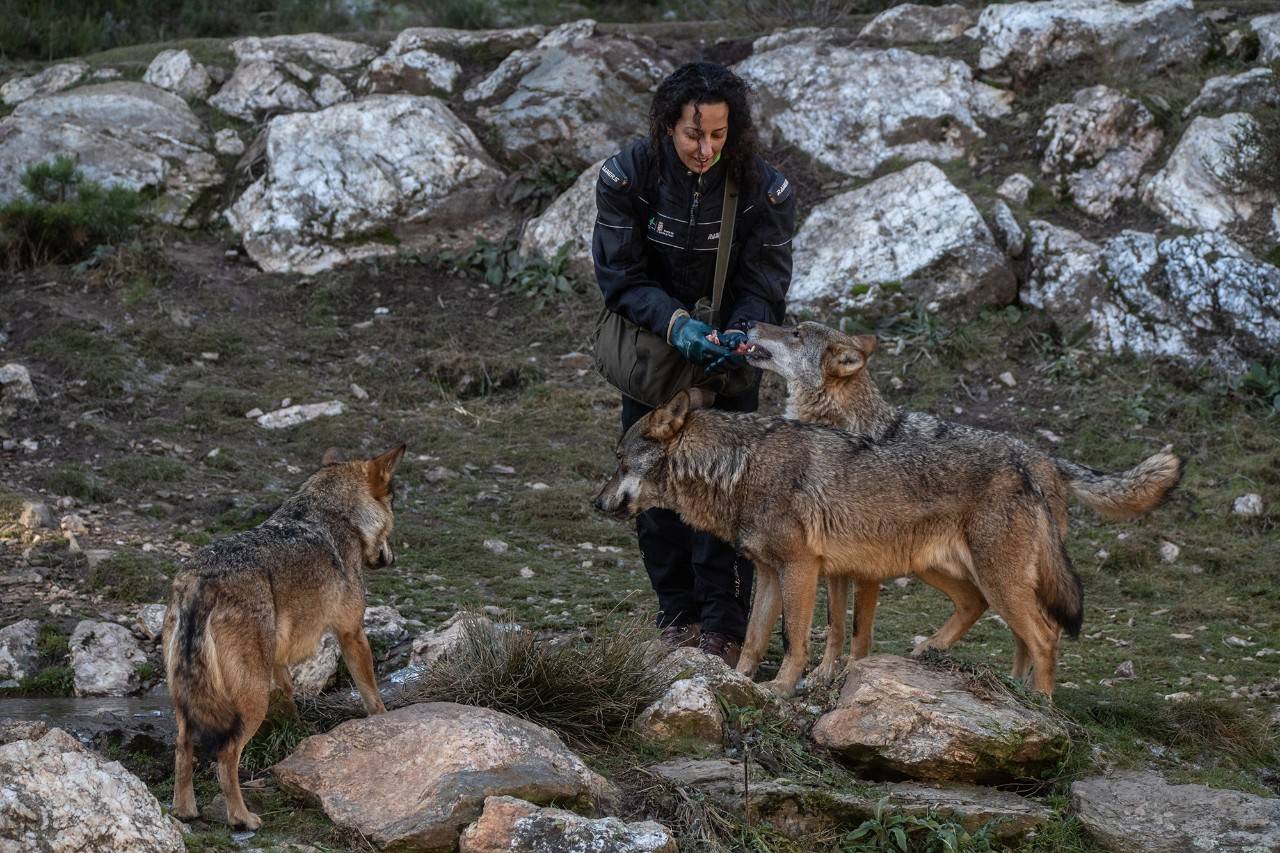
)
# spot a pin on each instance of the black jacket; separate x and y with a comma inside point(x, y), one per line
point(650, 262)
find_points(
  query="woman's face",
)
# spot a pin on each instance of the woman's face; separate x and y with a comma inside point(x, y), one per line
point(700, 133)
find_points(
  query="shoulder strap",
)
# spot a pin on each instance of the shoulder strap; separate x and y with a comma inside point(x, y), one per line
point(728, 213)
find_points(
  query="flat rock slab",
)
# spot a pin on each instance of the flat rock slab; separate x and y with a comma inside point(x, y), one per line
point(1134, 811)
point(412, 779)
point(509, 824)
point(899, 716)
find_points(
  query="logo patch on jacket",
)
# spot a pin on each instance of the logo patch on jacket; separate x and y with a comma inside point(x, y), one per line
point(657, 226)
point(779, 190)
point(612, 175)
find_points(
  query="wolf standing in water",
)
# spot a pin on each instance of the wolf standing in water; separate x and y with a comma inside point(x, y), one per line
point(248, 606)
point(655, 244)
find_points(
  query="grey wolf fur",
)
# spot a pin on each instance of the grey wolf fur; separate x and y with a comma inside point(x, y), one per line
point(803, 500)
point(249, 605)
point(828, 383)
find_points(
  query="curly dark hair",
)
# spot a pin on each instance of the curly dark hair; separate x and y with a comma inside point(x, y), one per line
point(708, 83)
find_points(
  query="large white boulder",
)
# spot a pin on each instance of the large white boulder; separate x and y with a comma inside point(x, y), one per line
point(1096, 146)
point(852, 109)
point(1030, 37)
point(511, 824)
point(1253, 89)
point(910, 23)
point(18, 652)
point(576, 94)
point(125, 133)
point(105, 657)
point(53, 79)
point(415, 777)
point(1193, 189)
point(1268, 29)
point(326, 51)
point(178, 72)
point(17, 394)
point(1198, 296)
point(570, 219)
point(258, 86)
point(336, 178)
point(57, 796)
point(909, 237)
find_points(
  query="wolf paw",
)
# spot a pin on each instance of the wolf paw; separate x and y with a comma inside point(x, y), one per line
point(248, 822)
point(826, 673)
point(781, 689)
point(185, 812)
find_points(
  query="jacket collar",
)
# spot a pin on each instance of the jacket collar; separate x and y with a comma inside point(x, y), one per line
point(674, 170)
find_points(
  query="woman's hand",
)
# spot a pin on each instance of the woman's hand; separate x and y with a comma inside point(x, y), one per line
point(696, 341)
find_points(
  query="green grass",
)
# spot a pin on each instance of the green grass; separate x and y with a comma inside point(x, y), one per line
point(141, 472)
point(77, 351)
point(131, 576)
point(79, 482)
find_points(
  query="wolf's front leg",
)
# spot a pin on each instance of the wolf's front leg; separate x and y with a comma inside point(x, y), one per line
point(764, 613)
point(837, 603)
point(359, 658)
point(799, 580)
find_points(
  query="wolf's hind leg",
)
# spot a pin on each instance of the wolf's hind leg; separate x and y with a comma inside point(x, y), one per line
point(970, 605)
point(184, 792)
point(837, 605)
point(359, 658)
point(253, 710)
point(764, 613)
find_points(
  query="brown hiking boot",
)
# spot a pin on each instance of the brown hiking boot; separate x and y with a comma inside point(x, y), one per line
point(681, 635)
point(721, 646)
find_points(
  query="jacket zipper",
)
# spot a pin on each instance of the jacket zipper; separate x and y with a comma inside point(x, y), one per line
point(693, 214)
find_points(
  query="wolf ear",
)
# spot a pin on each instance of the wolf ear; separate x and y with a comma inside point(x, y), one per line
point(380, 470)
point(866, 343)
point(843, 361)
point(332, 456)
point(666, 422)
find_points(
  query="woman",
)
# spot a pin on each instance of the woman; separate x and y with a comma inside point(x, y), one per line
point(656, 237)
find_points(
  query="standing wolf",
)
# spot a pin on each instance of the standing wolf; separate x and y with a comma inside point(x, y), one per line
point(803, 500)
point(827, 383)
point(248, 606)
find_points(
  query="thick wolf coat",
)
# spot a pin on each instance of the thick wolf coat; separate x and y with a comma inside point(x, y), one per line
point(803, 500)
point(827, 383)
point(247, 606)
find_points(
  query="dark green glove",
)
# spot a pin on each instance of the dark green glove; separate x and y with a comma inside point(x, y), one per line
point(730, 339)
point(689, 337)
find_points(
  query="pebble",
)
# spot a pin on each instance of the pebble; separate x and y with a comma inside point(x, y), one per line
point(1169, 552)
point(358, 392)
point(497, 546)
point(1007, 380)
point(1248, 505)
point(526, 572)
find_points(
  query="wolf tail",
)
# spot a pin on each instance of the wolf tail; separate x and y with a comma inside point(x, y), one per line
point(1060, 591)
point(196, 681)
point(1128, 494)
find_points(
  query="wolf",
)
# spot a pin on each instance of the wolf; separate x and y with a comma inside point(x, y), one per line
point(803, 500)
point(246, 607)
point(828, 383)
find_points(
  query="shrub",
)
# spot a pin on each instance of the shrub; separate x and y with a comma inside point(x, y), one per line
point(1261, 381)
point(501, 265)
point(66, 216)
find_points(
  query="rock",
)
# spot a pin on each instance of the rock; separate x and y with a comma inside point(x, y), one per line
point(496, 546)
point(384, 623)
point(334, 178)
point(1096, 146)
point(687, 712)
point(907, 238)
point(853, 109)
point(329, 91)
point(259, 87)
point(475, 43)
point(798, 809)
point(122, 133)
point(59, 797)
point(1029, 38)
point(1255, 89)
point(571, 220)
point(300, 414)
point(574, 361)
point(1015, 188)
point(727, 683)
point(912, 24)
point(440, 473)
point(73, 524)
point(176, 71)
point(227, 141)
point(1125, 670)
point(17, 394)
point(1268, 29)
point(12, 730)
point(1248, 505)
point(575, 94)
point(1192, 191)
point(409, 67)
point(1008, 232)
point(326, 51)
point(105, 657)
point(150, 621)
point(445, 759)
point(433, 645)
point(316, 674)
point(35, 516)
point(53, 79)
point(508, 824)
point(1190, 297)
point(1140, 811)
point(19, 654)
point(900, 716)
point(1169, 552)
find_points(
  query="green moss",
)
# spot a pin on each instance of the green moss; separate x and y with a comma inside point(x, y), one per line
point(76, 351)
point(131, 576)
